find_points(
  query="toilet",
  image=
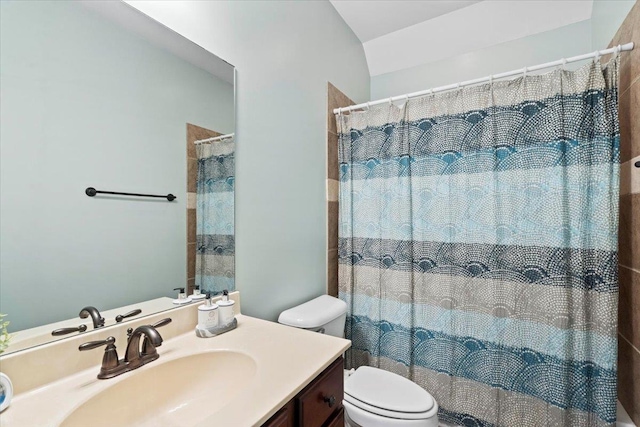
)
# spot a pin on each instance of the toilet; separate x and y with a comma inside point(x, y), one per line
point(372, 397)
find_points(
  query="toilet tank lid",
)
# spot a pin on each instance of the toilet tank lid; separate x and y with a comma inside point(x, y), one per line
point(315, 313)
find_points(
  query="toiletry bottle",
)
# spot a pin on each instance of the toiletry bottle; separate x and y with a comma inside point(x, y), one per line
point(182, 296)
point(196, 293)
point(226, 308)
point(207, 314)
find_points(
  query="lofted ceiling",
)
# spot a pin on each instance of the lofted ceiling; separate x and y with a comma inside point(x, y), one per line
point(372, 19)
point(402, 34)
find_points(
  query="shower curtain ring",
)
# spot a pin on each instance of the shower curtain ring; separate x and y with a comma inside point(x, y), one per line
point(564, 63)
point(390, 101)
point(491, 79)
point(526, 70)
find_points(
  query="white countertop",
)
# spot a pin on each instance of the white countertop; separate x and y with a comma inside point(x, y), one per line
point(287, 359)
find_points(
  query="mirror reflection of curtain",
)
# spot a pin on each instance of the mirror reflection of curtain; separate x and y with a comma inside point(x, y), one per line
point(478, 246)
point(215, 247)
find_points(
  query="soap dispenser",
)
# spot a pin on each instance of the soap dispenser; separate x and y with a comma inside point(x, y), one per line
point(210, 317)
point(196, 295)
point(207, 314)
point(182, 296)
point(226, 308)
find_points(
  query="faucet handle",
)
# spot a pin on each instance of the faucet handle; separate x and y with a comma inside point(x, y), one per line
point(121, 317)
point(95, 344)
point(162, 322)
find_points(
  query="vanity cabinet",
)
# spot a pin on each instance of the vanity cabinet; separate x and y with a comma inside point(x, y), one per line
point(318, 405)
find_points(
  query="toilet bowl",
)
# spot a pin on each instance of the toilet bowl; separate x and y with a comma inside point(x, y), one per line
point(372, 397)
point(377, 398)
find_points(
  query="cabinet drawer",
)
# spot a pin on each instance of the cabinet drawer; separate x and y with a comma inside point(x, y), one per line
point(337, 420)
point(323, 397)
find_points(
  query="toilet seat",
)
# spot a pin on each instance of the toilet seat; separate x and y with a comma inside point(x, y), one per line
point(388, 395)
point(356, 417)
point(386, 413)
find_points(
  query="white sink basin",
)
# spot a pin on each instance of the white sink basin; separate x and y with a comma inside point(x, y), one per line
point(180, 392)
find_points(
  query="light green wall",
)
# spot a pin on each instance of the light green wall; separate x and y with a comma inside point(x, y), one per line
point(606, 18)
point(284, 53)
point(570, 40)
point(86, 104)
point(536, 49)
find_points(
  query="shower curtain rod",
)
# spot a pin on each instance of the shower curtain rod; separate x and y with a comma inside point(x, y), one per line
point(215, 138)
point(596, 54)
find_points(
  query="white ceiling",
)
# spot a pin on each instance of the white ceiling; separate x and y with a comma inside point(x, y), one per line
point(372, 19)
point(402, 34)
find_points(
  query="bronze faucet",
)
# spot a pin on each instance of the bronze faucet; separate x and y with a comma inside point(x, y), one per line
point(98, 321)
point(134, 358)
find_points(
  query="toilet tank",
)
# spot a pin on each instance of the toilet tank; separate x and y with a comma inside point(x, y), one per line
point(324, 314)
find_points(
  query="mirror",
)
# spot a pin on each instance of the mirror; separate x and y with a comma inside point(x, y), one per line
point(97, 94)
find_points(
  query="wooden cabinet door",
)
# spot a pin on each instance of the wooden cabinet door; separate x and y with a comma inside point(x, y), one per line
point(318, 402)
point(285, 417)
point(318, 405)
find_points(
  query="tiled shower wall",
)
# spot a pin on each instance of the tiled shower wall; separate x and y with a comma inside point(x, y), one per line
point(335, 99)
point(194, 133)
point(629, 233)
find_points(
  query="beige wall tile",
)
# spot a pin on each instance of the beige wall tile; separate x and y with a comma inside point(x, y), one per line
point(332, 272)
point(191, 225)
point(333, 171)
point(191, 137)
point(629, 306)
point(195, 133)
point(332, 225)
point(335, 99)
point(629, 31)
point(191, 201)
point(629, 177)
point(629, 379)
point(192, 175)
point(629, 232)
point(628, 114)
point(191, 261)
point(333, 187)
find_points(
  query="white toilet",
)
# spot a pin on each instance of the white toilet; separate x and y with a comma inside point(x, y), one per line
point(372, 397)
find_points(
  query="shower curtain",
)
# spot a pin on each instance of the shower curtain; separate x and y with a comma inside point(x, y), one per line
point(478, 246)
point(215, 241)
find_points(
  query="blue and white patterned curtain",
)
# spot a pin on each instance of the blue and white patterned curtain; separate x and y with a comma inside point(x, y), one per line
point(478, 246)
point(215, 257)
